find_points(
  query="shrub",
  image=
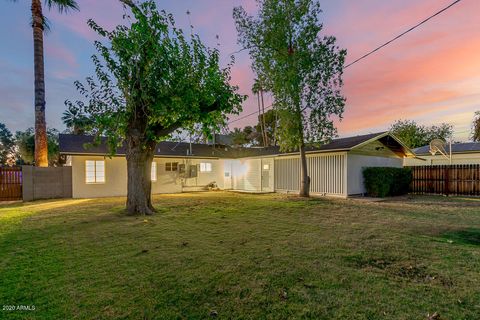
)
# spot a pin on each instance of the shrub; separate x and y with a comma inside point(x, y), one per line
point(385, 181)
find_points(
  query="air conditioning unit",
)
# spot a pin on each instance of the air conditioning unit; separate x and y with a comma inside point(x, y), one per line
point(181, 169)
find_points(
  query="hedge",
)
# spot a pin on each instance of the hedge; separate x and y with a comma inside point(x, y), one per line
point(386, 181)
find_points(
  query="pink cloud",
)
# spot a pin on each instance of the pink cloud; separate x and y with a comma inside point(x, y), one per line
point(107, 13)
point(59, 52)
point(422, 76)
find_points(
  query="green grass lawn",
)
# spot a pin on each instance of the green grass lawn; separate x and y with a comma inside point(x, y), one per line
point(233, 256)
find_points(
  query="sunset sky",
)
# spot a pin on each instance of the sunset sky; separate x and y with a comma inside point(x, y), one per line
point(431, 75)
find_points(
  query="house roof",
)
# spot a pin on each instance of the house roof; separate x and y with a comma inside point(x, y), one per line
point(77, 144)
point(456, 148)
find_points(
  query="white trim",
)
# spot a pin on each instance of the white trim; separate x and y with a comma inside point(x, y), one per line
point(153, 172)
point(95, 175)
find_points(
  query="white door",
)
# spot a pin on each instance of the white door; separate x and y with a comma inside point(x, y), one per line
point(227, 175)
point(267, 167)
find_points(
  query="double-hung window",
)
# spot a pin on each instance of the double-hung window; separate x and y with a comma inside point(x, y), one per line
point(205, 167)
point(94, 171)
point(171, 166)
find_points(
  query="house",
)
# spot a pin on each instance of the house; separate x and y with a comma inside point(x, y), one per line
point(335, 168)
point(462, 153)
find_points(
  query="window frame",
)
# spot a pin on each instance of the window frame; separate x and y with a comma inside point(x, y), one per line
point(206, 167)
point(95, 170)
point(153, 172)
point(171, 166)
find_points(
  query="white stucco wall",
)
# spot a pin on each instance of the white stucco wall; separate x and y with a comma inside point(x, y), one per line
point(116, 177)
point(204, 178)
point(337, 173)
point(466, 158)
point(247, 174)
point(357, 162)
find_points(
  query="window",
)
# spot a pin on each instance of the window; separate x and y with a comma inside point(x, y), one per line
point(94, 171)
point(205, 167)
point(153, 174)
point(171, 166)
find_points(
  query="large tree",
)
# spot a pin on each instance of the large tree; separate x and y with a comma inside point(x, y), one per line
point(415, 135)
point(39, 24)
point(302, 70)
point(151, 81)
point(476, 127)
point(6, 144)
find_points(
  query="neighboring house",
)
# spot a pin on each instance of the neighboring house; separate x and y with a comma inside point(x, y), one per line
point(462, 153)
point(335, 169)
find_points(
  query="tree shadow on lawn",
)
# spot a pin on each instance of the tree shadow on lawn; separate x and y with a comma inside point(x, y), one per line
point(464, 236)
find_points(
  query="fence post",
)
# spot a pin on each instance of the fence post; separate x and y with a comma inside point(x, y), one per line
point(27, 188)
point(447, 181)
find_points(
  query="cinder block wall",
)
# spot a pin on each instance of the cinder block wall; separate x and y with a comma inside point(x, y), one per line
point(46, 183)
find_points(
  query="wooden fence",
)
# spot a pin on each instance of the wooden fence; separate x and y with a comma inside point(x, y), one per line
point(10, 183)
point(446, 179)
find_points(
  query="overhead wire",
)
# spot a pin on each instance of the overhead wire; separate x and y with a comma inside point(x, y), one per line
point(371, 51)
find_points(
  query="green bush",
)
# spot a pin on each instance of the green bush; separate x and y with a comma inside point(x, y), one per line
point(385, 181)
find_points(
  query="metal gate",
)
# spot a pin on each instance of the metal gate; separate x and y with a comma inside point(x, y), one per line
point(10, 183)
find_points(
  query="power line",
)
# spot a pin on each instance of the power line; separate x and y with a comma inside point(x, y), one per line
point(403, 33)
point(248, 115)
point(370, 52)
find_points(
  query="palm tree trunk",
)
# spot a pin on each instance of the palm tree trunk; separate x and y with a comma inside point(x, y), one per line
point(41, 147)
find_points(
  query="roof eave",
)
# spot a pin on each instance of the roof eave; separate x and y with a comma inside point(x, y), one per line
point(407, 151)
point(123, 155)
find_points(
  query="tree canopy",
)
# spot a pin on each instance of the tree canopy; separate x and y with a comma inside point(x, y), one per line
point(476, 127)
point(76, 121)
point(150, 81)
point(415, 135)
point(301, 69)
point(25, 147)
point(7, 144)
point(252, 135)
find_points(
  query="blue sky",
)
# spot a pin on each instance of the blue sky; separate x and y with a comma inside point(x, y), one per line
point(432, 75)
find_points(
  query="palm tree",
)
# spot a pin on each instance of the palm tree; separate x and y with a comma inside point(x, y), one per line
point(257, 89)
point(39, 25)
point(75, 120)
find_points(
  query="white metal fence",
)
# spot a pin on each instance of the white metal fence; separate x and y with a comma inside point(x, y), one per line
point(327, 174)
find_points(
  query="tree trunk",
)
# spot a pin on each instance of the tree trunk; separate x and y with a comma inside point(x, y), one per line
point(305, 182)
point(139, 166)
point(265, 136)
point(260, 118)
point(41, 147)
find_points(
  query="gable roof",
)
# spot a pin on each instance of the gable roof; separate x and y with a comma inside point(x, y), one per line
point(467, 147)
point(75, 145)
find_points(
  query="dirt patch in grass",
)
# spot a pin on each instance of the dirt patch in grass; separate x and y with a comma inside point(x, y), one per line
point(362, 262)
point(399, 270)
